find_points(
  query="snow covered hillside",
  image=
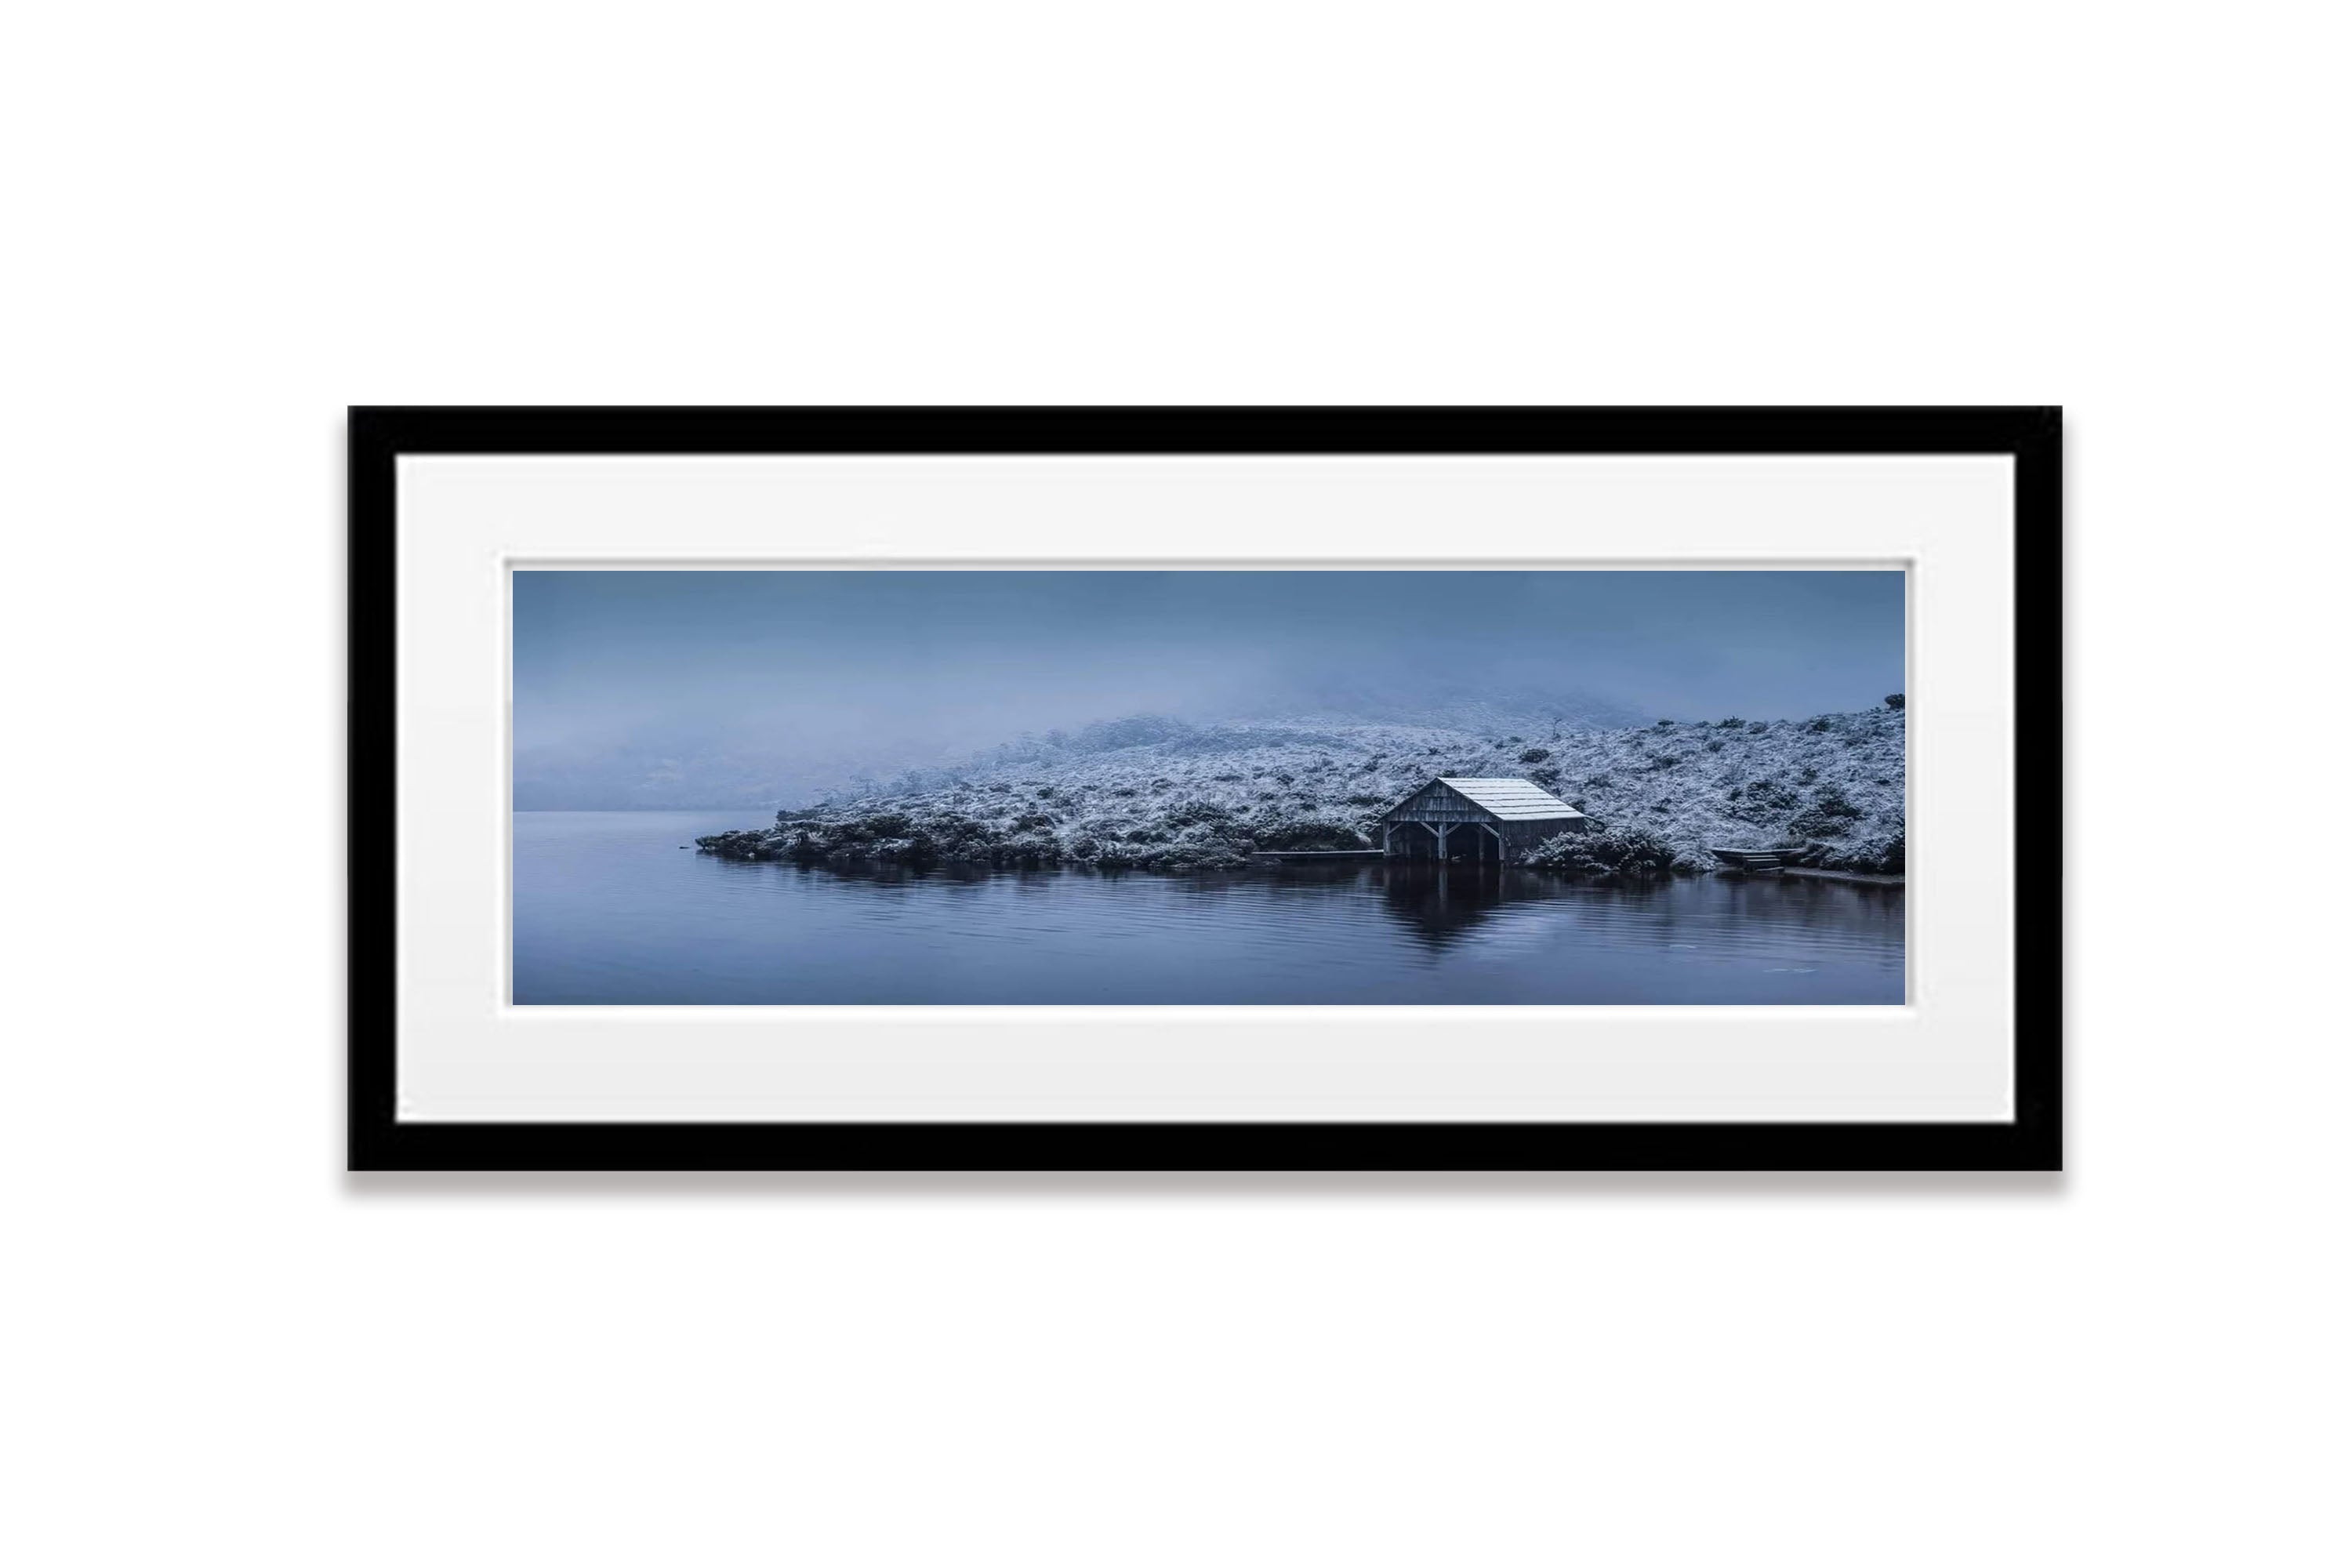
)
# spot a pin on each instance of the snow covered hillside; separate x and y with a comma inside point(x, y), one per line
point(1157, 794)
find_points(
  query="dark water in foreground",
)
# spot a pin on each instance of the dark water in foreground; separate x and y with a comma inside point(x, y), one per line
point(607, 908)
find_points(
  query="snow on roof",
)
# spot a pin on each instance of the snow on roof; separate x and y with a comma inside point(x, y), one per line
point(1513, 800)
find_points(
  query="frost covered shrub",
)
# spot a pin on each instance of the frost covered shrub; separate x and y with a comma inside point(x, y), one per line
point(742, 844)
point(1895, 701)
point(1890, 853)
point(1535, 755)
point(1209, 857)
point(956, 834)
point(1827, 817)
point(915, 851)
point(1608, 854)
point(1306, 835)
point(1036, 848)
point(1881, 852)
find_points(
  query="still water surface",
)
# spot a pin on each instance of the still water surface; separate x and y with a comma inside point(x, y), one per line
point(608, 909)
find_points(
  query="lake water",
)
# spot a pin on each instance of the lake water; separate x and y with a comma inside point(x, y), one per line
point(608, 909)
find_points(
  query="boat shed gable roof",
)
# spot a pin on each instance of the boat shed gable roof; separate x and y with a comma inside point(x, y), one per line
point(1513, 800)
point(1508, 800)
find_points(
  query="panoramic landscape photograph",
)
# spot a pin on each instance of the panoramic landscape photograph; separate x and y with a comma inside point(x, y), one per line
point(1565, 787)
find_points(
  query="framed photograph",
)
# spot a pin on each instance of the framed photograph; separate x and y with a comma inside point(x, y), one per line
point(1205, 789)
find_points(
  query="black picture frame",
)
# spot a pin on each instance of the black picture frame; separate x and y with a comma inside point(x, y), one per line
point(379, 1140)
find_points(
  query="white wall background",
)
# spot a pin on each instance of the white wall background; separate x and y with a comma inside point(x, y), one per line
point(225, 222)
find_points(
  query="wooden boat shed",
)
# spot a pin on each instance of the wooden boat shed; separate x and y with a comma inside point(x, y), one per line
point(1494, 820)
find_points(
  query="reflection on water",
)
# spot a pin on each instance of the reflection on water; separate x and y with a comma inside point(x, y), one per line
point(609, 910)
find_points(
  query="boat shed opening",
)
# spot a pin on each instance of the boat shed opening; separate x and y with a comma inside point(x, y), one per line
point(1494, 820)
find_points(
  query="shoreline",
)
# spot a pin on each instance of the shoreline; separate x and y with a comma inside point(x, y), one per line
point(1262, 862)
point(1867, 879)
